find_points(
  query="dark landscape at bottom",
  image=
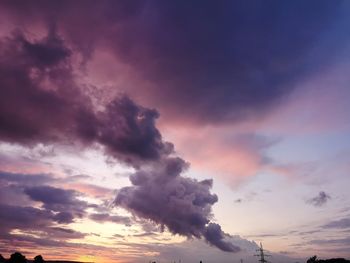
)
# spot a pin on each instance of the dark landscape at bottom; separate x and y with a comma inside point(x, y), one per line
point(19, 258)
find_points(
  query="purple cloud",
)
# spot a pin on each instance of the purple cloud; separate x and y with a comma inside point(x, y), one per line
point(25, 179)
point(24, 217)
point(49, 51)
point(50, 108)
point(182, 205)
point(214, 235)
point(198, 57)
point(42, 103)
point(58, 200)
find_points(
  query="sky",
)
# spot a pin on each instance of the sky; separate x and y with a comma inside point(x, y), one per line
point(146, 130)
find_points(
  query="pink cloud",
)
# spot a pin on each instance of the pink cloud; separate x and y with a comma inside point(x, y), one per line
point(226, 154)
point(92, 190)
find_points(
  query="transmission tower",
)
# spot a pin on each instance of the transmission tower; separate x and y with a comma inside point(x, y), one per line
point(261, 254)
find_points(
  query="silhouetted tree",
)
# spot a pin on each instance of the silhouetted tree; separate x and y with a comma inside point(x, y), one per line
point(333, 260)
point(312, 259)
point(17, 258)
point(2, 259)
point(39, 259)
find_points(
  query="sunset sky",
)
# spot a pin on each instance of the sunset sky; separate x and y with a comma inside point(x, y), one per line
point(167, 130)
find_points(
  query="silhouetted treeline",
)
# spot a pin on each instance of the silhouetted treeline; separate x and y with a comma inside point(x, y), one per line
point(19, 258)
point(314, 259)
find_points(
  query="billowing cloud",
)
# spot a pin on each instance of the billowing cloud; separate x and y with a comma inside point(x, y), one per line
point(180, 204)
point(43, 103)
point(319, 200)
point(214, 235)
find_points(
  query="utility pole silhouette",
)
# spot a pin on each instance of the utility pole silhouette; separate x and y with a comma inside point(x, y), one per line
point(262, 254)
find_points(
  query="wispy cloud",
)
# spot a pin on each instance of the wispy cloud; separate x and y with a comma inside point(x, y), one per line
point(320, 200)
point(340, 224)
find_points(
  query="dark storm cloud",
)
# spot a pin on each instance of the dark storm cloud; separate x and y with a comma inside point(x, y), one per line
point(227, 60)
point(127, 129)
point(74, 17)
point(45, 53)
point(230, 60)
point(216, 61)
point(30, 110)
point(319, 200)
point(41, 103)
point(182, 205)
